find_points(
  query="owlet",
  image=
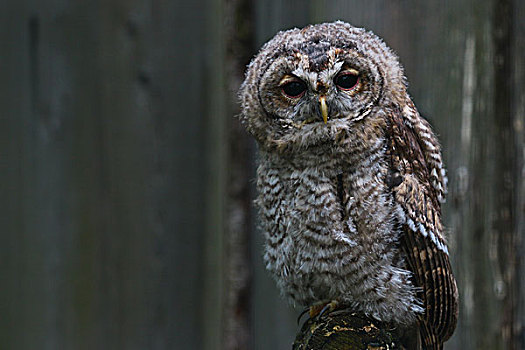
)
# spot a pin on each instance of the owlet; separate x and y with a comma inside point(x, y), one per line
point(350, 180)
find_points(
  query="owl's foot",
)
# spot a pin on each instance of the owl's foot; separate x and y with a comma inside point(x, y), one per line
point(319, 309)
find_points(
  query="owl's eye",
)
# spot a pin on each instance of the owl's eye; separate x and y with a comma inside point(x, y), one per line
point(347, 80)
point(294, 88)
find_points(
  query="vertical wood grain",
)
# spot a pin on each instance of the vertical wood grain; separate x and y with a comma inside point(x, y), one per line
point(518, 113)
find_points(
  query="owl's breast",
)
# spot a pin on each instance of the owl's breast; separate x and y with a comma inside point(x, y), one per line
point(308, 238)
point(331, 234)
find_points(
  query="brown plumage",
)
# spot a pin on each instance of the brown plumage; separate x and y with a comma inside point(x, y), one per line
point(415, 160)
point(350, 180)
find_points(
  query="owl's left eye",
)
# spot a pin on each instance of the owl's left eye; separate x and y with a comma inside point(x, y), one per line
point(347, 80)
point(294, 88)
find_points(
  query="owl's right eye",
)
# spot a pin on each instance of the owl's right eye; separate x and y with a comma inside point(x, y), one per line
point(294, 88)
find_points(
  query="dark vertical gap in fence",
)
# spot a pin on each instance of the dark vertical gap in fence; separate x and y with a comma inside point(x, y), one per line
point(240, 37)
point(34, 38)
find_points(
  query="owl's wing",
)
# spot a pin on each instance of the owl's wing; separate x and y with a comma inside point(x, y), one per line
point(419, 184)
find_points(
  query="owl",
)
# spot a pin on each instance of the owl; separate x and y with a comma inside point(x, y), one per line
point(350, 180)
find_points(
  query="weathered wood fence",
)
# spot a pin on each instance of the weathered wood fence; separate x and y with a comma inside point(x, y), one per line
point(126, 182)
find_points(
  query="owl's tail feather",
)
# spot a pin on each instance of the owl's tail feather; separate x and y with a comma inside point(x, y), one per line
point(430, 340)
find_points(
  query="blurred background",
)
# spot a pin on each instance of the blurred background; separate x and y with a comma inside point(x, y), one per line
point(127, 183)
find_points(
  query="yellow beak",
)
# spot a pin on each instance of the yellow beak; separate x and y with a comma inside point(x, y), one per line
point(324, 108)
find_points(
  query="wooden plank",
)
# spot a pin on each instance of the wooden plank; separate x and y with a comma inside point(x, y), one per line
point(21, 261)
point(107, 174)
point(518, 112)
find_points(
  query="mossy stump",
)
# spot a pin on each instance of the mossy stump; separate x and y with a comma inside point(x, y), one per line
point(345, 331)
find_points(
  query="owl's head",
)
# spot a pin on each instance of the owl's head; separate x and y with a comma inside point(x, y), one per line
point(306, 85)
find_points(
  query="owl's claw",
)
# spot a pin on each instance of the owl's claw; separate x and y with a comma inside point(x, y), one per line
point(319, 309)
point(331, 306)
point(302, 314)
